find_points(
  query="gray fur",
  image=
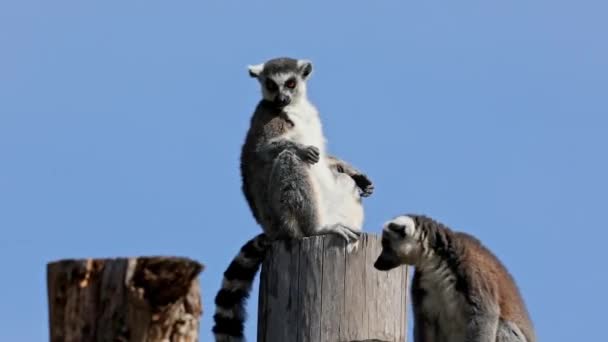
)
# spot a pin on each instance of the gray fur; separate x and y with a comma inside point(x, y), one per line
point(277, 66)
point(275, 179)
point(275, 171)
point(291, 185)
point(460, 292)
point(292, 208)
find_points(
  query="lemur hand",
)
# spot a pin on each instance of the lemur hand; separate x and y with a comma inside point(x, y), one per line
point(366, 185)
point(310, 154)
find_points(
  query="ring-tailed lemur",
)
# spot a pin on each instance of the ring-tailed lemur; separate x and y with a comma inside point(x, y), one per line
point(293, 187)
point(461, 292)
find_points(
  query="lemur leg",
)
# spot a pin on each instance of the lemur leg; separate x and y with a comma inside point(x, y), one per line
point(509, 332)
point(295, 201)
point(345, 232)
point(362, 181)
point(482, 327)
point(292, 197)
point(425, 330)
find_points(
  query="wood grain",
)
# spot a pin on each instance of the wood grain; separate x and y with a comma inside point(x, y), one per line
point(315, 289)
point(137, 299)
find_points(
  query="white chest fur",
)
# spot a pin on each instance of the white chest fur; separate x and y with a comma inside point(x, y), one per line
point(337, 195)
point(307, 128)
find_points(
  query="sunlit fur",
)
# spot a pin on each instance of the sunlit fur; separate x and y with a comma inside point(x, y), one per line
point(289, 194)
point(461, 292)
point(336, 195)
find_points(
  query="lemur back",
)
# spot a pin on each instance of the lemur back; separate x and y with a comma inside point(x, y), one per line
point(292, 186)
point(461, 292)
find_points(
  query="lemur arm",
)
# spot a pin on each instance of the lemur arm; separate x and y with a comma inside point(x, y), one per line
point(484, 312)
point(424, 331)
point(271, 149)
point(482, 327)
point(364, 183)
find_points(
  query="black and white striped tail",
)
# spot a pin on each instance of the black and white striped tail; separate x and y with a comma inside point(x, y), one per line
point(230, 301)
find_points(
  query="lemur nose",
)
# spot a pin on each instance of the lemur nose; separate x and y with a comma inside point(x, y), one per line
point(283, 100)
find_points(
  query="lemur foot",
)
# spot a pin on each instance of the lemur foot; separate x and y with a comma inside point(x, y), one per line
point(347, 233)
point(310, 154)
point(364, 183)
point(353, 246)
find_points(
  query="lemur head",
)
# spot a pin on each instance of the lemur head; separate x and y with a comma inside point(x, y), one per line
point(400, 243)
point(283, 80)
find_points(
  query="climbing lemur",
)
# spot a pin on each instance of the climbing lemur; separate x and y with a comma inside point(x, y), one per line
point(461, 292)
point(294, 189)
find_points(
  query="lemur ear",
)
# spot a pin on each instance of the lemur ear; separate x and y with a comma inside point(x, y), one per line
point(255, 70)
point(305, 68)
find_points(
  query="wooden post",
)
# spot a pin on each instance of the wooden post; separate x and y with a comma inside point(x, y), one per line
point(137, 299)
point(314, 290)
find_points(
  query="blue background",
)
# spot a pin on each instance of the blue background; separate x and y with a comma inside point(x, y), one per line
point(121, 124)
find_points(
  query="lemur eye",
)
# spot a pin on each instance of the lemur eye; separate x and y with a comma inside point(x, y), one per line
point(291, 83)
point(270, 85)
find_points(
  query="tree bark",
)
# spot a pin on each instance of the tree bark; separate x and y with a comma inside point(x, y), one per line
point(150, 299)
point(314, 289)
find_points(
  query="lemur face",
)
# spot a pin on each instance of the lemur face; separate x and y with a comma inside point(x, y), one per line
point(400, 244)
point(283, 80)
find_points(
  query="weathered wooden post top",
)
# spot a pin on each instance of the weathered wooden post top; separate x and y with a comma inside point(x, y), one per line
point(130, 299)
point(315, 290)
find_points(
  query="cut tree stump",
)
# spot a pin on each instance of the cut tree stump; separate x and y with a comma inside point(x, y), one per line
point(315, 290)
point(150, 299)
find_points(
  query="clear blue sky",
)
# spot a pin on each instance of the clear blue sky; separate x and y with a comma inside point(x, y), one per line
point(121, 125)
